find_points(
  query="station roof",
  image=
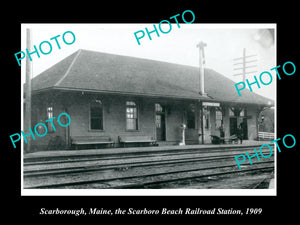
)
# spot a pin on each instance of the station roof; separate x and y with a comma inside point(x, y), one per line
point(86, 70)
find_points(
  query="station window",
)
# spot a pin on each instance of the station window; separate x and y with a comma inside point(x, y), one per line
point(96, 115)
point(206, 118)
point(191, 118)
point(219, 118)
point(131, 116)
point(49, 116)
point(158, 115)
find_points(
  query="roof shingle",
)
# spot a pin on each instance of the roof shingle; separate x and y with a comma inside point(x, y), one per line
point(103, 72)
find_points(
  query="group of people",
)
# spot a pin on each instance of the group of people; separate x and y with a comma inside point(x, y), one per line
point(239, 133)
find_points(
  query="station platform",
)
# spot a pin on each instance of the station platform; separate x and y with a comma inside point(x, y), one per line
point(131, 150)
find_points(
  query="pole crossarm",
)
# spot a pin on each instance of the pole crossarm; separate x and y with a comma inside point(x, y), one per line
point(239, 74)
point(245, 64)
point(248, 56)
point(245, 67)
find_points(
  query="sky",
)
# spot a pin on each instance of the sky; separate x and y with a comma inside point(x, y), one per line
point(225, 42)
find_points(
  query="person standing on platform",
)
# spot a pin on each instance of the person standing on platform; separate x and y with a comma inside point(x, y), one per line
point(240, 132)
point(222, 135)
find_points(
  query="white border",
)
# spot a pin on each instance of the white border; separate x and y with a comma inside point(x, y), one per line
point(153, 192)
point(148, 192)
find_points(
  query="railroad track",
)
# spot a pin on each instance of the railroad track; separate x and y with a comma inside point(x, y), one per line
point(131, 156)
point(136, 154)
point(142, 171)
point(211, 176)
point(75, 166)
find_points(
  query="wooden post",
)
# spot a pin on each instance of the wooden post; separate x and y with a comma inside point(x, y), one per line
point(202, 130)
point(244, 65)
point(259, 110)
point(183, 135)
point(67, 133)
point(27, 119)
point(201, 46)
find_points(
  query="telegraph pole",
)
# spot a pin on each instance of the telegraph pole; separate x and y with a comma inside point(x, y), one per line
point(27, 119)
point(201, 46)
point(245, 64)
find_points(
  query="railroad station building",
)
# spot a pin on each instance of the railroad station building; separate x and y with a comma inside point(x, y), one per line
point(109, 95)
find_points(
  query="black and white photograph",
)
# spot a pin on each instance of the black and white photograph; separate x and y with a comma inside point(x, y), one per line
point(168, 109)
point(150, 112)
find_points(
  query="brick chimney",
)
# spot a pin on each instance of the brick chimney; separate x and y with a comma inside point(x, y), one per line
point(201, 46)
